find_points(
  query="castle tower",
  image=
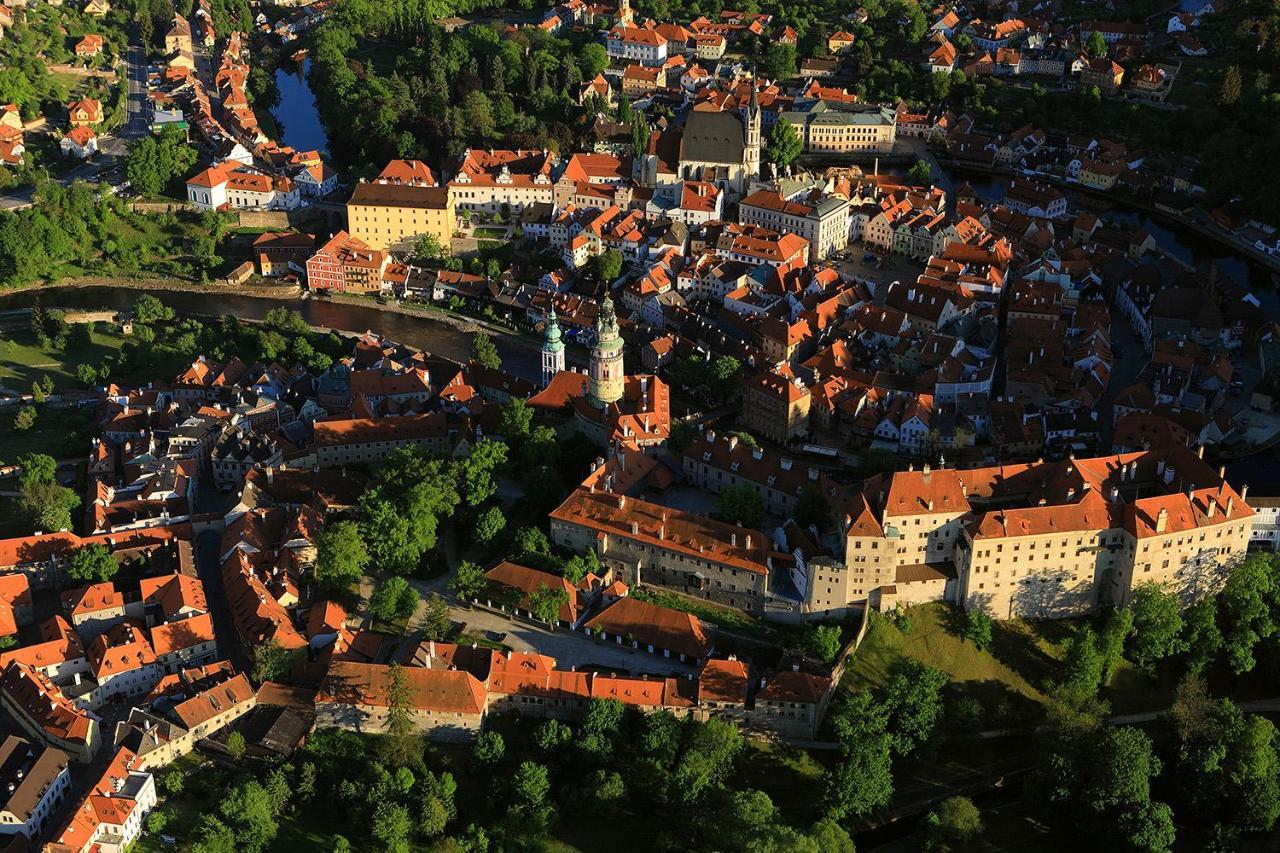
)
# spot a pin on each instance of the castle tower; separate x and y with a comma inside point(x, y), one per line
point(751, 154)
point(625, 16)
point(552, 350)
point(605, 370)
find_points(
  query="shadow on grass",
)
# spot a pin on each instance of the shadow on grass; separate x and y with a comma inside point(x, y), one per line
point(1015, 645)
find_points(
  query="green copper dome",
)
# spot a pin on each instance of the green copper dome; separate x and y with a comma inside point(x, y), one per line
point(551, 336)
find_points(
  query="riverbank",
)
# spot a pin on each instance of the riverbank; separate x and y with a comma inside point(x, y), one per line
point(428, 328)
point(160, 283)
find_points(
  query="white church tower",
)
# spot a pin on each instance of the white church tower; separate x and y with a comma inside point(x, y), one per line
point(552, 350)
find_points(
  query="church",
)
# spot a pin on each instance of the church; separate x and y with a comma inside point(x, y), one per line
point(716, 146)
point(608, 406)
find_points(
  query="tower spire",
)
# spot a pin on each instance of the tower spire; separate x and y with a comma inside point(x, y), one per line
point(605, 369)
point(552, 349)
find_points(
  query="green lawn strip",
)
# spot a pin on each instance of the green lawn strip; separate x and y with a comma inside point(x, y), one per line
point(932, 642)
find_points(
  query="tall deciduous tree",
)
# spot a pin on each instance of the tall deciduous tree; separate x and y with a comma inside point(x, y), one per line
point(484, 352)
point(92, 564)
point(784, 144)
point(341, 556)
point(1157, 625)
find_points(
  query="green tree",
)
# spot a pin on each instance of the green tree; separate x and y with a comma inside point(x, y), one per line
point(784, 144)
point(920, 175)
point(545, 603)
point(530, 786)
point(341, 557)
point(863, 780)
point(148, 309)
point(436, 620)
point(1246, 610)
point(155, 161)
point(236, 745)
point(25, 419)
point(978, 627)
point(517, 420)
point(427, 248)
point(1111, 640)
point(606, 266)
point(489, 748)
point(822, 641)
point(483, 351)
point(1201, 635)
point(37, 469)
point(955, 819)
point(1098, 779)
point(530, 542)
point(831, 837)
point(393, 599)
point(1228, 769)
point(1157, 625)
point(476, 480)
point(551, 735)
point(741, 504)
point(592, 59)
point(92, 564)
point(780, 61)
point(271, 661)
point(392, 826)
point(400, 746)
point(489, 524)
point(248, 809)
point(602, 716)
point(577, 567)
point(1082, 667)
point(157, 821)
point(913, 703)
point(1095, 45)
point(468, 582)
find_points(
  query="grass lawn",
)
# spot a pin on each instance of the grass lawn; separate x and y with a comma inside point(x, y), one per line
point(1024, 655)
point(60, 433)
point(932, 641)
point(23, 361)
point(491, 232)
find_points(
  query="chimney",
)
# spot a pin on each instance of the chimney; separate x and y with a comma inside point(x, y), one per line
point(1244, 492)
point(1200, 451)
point(733, 539)
point(1231, 504)
point(1162, 520)
point(1213, 507)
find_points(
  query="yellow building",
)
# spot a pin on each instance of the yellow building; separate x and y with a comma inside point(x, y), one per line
point(394, 216)
point(1040, 540)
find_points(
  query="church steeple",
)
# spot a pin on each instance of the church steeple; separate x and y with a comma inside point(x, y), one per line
point(552, 349)
point(605, 369)
point(752, 152)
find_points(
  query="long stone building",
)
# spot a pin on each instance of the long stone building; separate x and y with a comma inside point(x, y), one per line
point(1045, 539)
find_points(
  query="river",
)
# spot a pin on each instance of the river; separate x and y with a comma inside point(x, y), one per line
point(297, 114)
point(520, 356)
point(1179, 241)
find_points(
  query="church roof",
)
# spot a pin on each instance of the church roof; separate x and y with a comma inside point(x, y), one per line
point(713, 137)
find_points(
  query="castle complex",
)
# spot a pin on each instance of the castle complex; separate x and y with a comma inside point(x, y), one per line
point(1042, 539)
